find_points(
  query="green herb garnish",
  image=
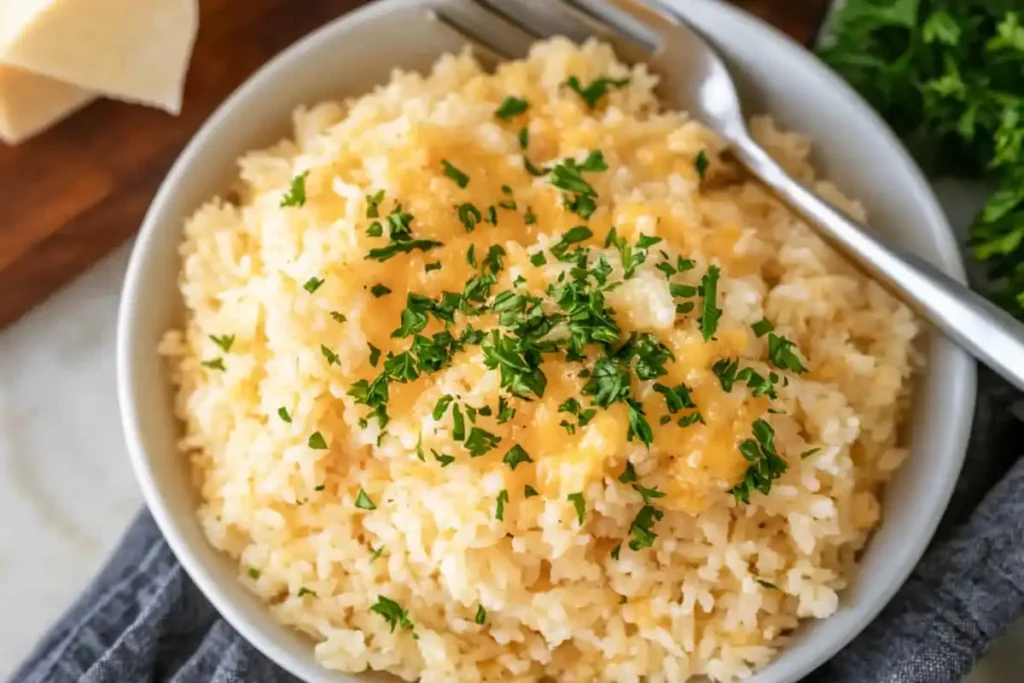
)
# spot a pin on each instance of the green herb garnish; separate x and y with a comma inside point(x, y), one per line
point(443, 458)
point(317, 442)
point(481, 615)
point(516, 455)
point(511, 107)
point(392, 613)
point(580, 503)
point(225, 342)
point(529, 491)
point(305, 591)
point(338, 317)
point(499, 509)
point(709, 313)
point(331, 356)
point(363, 501)
point(296, 194)
point(765, 464)
point(312, 284)
point(373, 204)
point(592, 94)
point(780, 353)
point(283, 414)
point(460, 178)
point(480, 441)
point(469, 216)
point(215, 364)
point(701, 163)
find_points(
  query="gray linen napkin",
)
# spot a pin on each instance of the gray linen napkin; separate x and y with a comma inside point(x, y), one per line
point(143, 619)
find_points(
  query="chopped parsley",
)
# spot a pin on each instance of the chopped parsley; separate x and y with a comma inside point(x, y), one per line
point(642, 527)
point(305, 591)
point(296, 194)
point(762, 327)
point(592, 94)
point(458, 424)
point(692, 418)
point(317, 442)
point(392, 613)
point(283, 414)
point(363, 501)
point(524, 138)
point(676, 398)
point(441, 407)
point(312, 284)
point(505, 412)
point(638, 424)
point(338, 317)
point(499, 509)
point(538, 259)
point(765, 464)
point(511, 107)
point(373, 204)
point(460, 178)
point(469, 215)
point(436, 265)
point(379, 290)
point(580, 503)
point(374, 355)
point(254, 573)
point(331, 356)
point(709, 313)
point(726, 369)
point(580, 233)
point(529, 491)
point(481, 615)
point(701, 163)
point(648, 494)
point(215, 364)
point(443, 458)
point(375, 553)
point(375, 229)
point(629, 474)
point(766, 584)
point(809, 452)
point(225, 342)
point(480, 441)
point(516, 455)
point(403, 247)
point(616, 551)
point(780, 353)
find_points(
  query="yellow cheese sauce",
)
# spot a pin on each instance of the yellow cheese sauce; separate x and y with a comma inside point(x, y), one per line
point(695, 462)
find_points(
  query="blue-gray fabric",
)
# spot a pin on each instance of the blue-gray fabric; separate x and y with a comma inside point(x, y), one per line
point(143, 620)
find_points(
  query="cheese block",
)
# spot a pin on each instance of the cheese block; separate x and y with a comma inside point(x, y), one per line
point(29, 103)
point(134, 50)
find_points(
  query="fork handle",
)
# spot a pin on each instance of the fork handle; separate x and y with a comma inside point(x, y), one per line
point(972, 322)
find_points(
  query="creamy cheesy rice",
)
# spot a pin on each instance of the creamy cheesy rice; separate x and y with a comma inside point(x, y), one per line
point(512, 377)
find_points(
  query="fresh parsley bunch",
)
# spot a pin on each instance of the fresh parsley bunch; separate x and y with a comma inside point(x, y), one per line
point(948, 76)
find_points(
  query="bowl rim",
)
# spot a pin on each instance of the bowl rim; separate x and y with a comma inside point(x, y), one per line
point(131, 300)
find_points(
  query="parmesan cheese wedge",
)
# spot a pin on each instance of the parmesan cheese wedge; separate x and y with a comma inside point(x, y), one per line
point(30, 103)
point(134, 50)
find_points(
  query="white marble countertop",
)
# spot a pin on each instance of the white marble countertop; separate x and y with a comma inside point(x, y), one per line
point(66, 488)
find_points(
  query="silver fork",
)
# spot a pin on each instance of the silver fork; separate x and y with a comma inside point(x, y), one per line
point(656, 35)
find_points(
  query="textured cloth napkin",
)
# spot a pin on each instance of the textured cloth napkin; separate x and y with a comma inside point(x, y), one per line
point(143, 619)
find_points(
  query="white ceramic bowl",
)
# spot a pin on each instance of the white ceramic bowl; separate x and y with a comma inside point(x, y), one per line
point(853, 148)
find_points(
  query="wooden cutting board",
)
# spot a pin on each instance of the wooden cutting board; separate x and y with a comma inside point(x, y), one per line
point(78, 191)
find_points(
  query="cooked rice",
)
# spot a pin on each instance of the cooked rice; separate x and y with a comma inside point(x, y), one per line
point(723, 583)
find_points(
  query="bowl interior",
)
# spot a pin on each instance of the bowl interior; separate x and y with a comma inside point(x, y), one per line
point(350, 56)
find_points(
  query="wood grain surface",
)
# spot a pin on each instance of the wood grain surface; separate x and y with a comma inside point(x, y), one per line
point(73, 194)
